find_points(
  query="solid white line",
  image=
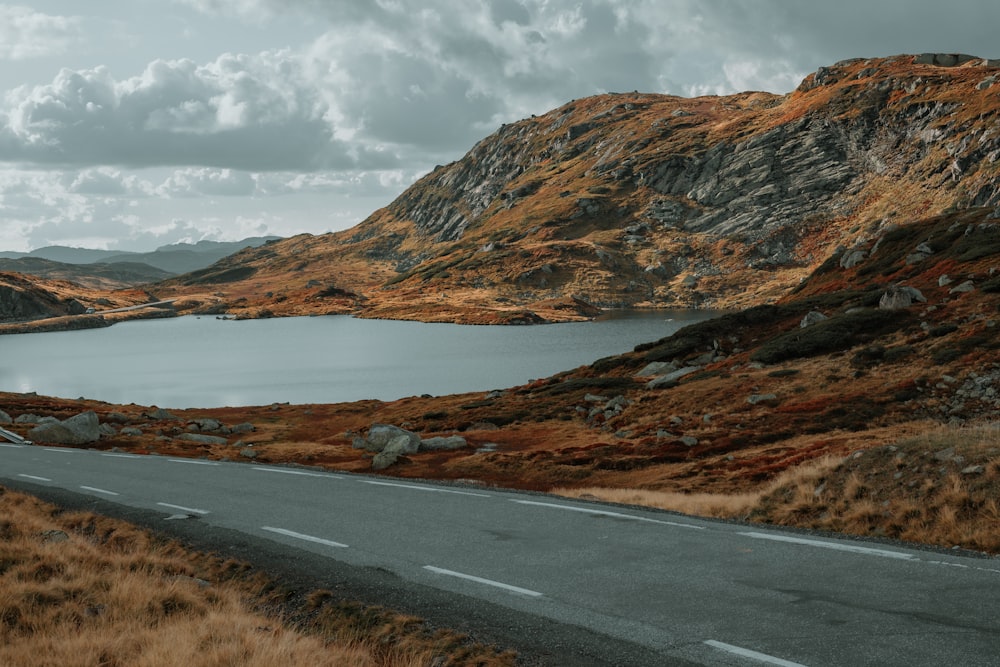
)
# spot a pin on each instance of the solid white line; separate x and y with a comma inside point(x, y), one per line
point(64, 450)
point(308, 538)
point(40, 479)
point(753, 655)
point(184, 509)
point(122, 456)
point(4, 444)
point(868, 551)
point(616, 515)
point(96, 490)
point(194, 461)
point(480, 580)
point(428, 488)
point(295, 472)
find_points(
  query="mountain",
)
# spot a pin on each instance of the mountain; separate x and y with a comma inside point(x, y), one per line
point(100, 275)
point(640, 200)
point(174, 258)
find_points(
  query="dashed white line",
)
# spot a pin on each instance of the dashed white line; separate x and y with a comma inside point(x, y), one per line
point(868, 551)
point(427, 488)
point(122, 456)
point(295, 472)
point(753, 655)
point(480, 580)
point(194, 462)
point(300, 536)
point(97, 490)
point(40, 479)
point(616, 515)
point(184, 509)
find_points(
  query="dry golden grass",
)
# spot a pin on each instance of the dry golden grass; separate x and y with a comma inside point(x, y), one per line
point(77, 589)
point(941, 487)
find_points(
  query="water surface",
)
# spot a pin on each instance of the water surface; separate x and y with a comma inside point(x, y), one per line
point(205, 362)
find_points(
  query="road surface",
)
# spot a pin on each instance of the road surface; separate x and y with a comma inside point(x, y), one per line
point(571, 582)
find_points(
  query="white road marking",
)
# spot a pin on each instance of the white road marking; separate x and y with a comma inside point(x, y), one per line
point(4, 444)
point(753, 655)
point(480, 580)
point(122, 456)
point(868, 551)
point(295, 472)
point(307, 538)
point(427, 488)
point(63, 450)
point(616, 515)
point(40, 479)
point(194, 461)
point(97, 490)
point(184, 509)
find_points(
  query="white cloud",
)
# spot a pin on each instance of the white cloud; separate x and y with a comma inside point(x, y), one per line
point(195, 182)
point(26, 33)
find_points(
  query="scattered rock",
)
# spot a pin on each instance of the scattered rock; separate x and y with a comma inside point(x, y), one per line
point(108, 430)
point(248, 453)
point(381, 435)
point(670, 379)
point(973, 470)
point(208, 424)
point(158, 414)
point(900, 296)
point(852, 258)
point(203, 439)
point(945, 454)
point(390, 453)
point(656, 368)
point(595, 398)
point(962, 288)
point(755, 399)
point(54, 536)
point(943, 280)
point(131, 431)
point(245, 427)
point(688, 441)
point(77, 430)
point(443, 443)
point(27, 418)
point(812, 317)
point(5, 418)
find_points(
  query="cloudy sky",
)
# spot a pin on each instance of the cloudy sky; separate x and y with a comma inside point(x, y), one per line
point(129, 124)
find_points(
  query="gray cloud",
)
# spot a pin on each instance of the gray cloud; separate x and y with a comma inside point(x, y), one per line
point(26, 33)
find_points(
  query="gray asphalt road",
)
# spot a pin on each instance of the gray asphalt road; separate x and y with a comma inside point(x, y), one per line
point(575, 583)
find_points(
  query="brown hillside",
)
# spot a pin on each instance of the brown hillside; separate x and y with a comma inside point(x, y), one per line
point(646, 200)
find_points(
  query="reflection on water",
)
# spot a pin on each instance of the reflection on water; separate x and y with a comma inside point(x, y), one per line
point(205, 362)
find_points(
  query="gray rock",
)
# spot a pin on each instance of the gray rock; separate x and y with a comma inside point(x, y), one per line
point(618, 403)
point(27, 418)
point(812, 317)
point(973, 470)
point(159, 414)
point(656, 368)
point(483, 426)
point(131, 431)
point(392, 450)
point(77, 430)
point(595, 398)
point(755, 399)
point(202, 439)
point(380, 435)
point(245, 427)
point(107, 429)
point(943, 280)
point(248, 453)
point(54, 536)
point(208, 424)
point(898, 297)
point(945, 454)
point(5, 418)
point(852, 258)
point(670, 379)
point(962, 288)
point(439, 443)
point(688, 441)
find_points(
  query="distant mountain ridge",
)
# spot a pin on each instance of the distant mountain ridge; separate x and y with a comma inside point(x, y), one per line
point(642, 200)
point(175, 258)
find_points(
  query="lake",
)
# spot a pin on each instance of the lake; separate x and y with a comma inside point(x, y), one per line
point(207, 362)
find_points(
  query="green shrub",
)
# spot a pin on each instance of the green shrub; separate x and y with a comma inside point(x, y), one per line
point(837, 333)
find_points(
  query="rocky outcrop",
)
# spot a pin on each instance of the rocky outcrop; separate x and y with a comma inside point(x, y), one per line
point(388, 443)
point(80, 429)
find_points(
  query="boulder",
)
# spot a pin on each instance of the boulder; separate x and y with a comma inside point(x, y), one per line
point(27, 418)
point(670, 379)
point(77, 430)
point(245, 427)
point(390, 453)
point(967, 286)
point(443, 443)
point(208, 424)
point(655, 368)
point(898, 297)
point(158, 414)
point(380, 435)
point(108, 430)
point(812, 317)
point(5, 418)
point(202, 439)
point(754, 399)
point(131, 431)
point(852, 258)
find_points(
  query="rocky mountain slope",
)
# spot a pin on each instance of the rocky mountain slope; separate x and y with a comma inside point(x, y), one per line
point(96, 276)
point(649, 200)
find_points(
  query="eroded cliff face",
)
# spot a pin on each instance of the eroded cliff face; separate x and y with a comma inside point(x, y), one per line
point(661, 201)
